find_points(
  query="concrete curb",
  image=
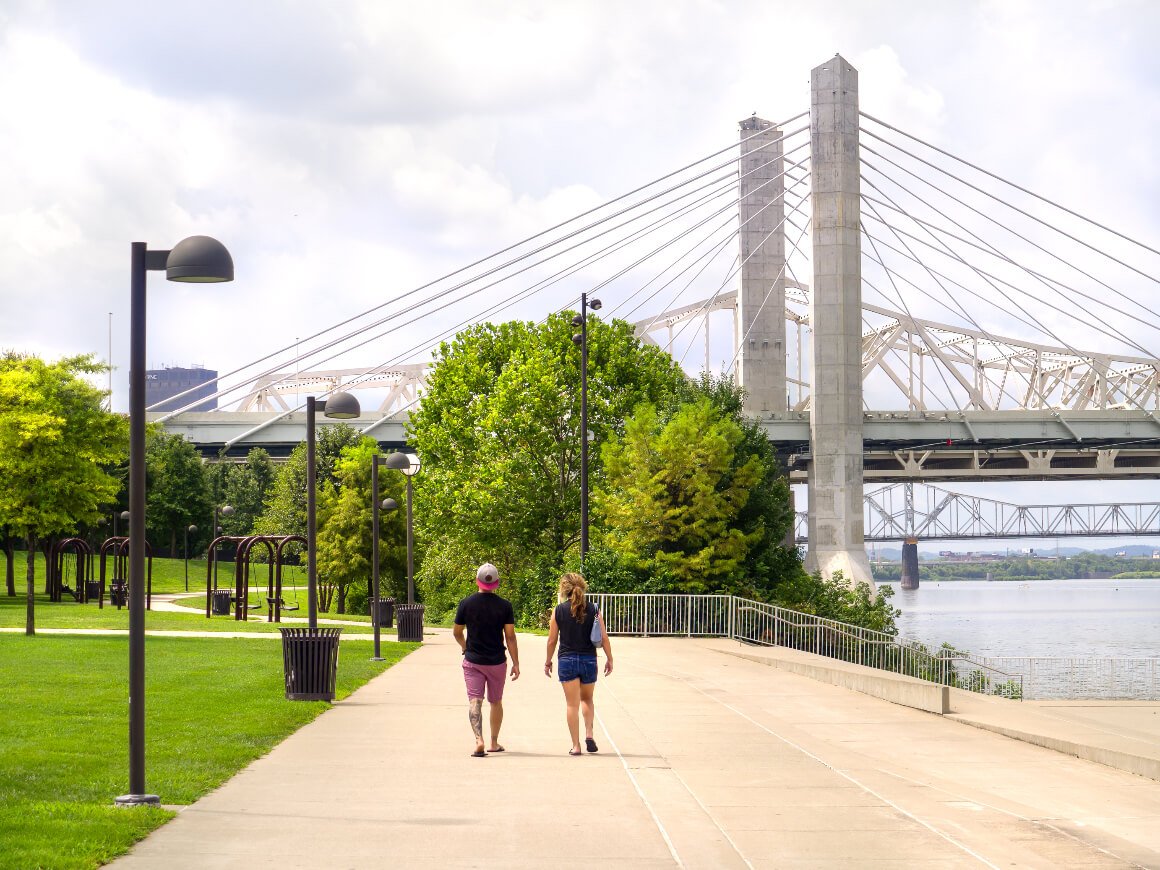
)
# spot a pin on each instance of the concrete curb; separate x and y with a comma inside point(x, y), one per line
point(896, 688)
point(1019, 721)
point(1137, 764)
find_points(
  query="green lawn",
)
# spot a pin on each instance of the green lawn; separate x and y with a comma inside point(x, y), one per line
point(169, 577)
point(69, 614)
point(213, 706)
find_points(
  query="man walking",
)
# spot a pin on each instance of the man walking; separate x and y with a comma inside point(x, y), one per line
point(487, 620)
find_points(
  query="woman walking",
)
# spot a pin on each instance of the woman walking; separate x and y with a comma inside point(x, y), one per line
point(571, 626)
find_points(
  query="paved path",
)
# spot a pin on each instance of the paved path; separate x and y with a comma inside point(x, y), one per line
point(706, 760)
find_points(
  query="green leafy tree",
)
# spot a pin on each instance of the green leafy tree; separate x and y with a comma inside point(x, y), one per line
point(284, 504)
point(344, 535)
point(178, 492)
point(284, 510)
point(672, 495)
point(498, 431)
point(769, 510)
point(56, 444)
point(247, 485)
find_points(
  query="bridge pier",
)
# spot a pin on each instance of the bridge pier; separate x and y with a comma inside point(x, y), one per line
point(836, 524)
point(910, 563)
point(760, 314)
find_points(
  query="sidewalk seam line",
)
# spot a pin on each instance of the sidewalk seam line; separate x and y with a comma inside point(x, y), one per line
point(685, 785)
point(648, 806)
point(848, 777)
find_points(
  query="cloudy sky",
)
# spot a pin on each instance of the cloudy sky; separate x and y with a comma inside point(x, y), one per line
point(349, 151)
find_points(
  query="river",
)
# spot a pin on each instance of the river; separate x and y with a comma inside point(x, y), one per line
point(1088, 618)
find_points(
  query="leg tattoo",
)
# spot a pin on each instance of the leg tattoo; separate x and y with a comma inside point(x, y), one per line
point(475, 715)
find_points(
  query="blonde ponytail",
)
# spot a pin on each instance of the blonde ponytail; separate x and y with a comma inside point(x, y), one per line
point(573, 589)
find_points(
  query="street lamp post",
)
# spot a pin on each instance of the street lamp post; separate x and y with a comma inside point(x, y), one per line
point(581, 339)
point(197, 259)
point(340, 406)
point(409, 464)
point(387, 504)
point(188, 530)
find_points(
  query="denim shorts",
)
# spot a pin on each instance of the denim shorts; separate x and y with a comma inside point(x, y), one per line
point(575, 665)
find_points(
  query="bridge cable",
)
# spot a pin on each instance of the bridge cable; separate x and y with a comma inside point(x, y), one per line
point(1062, 260)
point(905, 307)
point(986, 277)
point(519, 244)
point(711, 300)
point(765, 298)
point(1064, 346)
point(1007, 182)
point(523, 293)
point(1000, 255)
point(1021, 211)
point(730, 182)
point(640, 233)
point(701, 223)
point(677, 296)
point(983, 247)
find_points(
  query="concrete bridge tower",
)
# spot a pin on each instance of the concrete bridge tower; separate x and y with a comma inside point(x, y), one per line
point(836, 525)
point(760, 319)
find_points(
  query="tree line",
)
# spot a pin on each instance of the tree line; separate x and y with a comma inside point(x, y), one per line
point(687, 494)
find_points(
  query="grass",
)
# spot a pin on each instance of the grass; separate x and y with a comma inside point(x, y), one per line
point(169, 576)
point(68, 614)
point(214, 705)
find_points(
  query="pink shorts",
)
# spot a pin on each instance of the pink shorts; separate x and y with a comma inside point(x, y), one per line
point(478, 676)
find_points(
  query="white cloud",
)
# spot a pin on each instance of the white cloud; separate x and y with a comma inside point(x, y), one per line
point(347, 152)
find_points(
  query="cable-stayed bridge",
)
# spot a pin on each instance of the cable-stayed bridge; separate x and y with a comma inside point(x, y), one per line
point(894, 312)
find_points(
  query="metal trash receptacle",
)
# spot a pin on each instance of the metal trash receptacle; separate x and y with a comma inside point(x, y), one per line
point(410, 622)
point(386, 614)
point(92, 590)
point(221, 601)
point(119, 594)
point(310, 662)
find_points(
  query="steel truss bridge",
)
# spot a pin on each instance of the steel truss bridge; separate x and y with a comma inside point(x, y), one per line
point(905, 511)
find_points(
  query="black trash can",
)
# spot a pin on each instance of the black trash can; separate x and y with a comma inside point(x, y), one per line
point(310, 662)
point(220, 599)
point(386, 617)
point(119, 594)
point(410, 622)
point(92, 590)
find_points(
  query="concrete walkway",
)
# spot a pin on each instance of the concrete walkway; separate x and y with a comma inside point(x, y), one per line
point(706, 760)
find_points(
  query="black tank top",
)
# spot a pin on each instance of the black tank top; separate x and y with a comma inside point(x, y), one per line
point(576, 637)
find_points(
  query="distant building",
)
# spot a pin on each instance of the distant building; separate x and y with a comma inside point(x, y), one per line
point(162, 385)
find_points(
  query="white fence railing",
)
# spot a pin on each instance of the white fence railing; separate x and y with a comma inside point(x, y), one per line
point(667, 615)
point(1085, 678)
point(759, 623)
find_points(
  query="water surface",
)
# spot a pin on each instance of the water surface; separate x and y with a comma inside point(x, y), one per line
point(1097, 618)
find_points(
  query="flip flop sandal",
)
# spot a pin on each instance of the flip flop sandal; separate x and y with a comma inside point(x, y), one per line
point(479, 753)
point(590, 744)
point(497, 749)
point(575, 752)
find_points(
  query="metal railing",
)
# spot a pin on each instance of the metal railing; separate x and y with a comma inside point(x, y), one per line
point(766, 624)
point(667, 615)
point(1085, 678)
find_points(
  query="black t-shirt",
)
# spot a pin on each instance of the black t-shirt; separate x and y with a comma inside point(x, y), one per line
point(576, 637)
point(485, 614)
